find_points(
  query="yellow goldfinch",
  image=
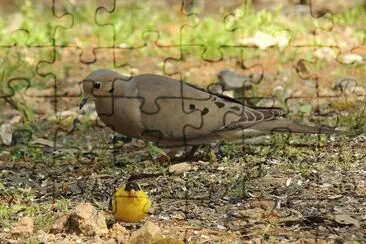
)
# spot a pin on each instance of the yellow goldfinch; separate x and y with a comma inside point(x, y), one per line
point(129, 203)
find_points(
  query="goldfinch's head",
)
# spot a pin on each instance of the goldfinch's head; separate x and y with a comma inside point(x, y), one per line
point(132, 188)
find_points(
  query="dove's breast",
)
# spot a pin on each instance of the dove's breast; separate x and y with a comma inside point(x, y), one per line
point(121, 114)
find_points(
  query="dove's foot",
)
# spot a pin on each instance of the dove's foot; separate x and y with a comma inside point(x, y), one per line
point(188, 156)
point(177, 155)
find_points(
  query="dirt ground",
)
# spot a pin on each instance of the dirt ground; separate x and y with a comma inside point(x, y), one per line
point(253, 192)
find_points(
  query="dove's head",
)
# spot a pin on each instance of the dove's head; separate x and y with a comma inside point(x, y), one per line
point(99, 83)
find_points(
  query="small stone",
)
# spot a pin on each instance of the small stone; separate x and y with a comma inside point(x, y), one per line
point(179, 168)
point(15, 120)
point(45, 237)
point(4, 154)
point(179, 216)
point(346, 85)
point(59, 225)
point(345, 219)
point(41, 233)
point(24, 227)
point(352, 58)
point(5, 172)
point(179, 180)
point(146, 234)
point(117, 230)
point(325, 53)
point(113, 241)
point(261, 39)
point(359, 91)
point(254, 213)
point(221, 168)
point(349, 187)
point(230, 80)
point(221, 227)
point(98, 240)
point(86, 220)
point(288, 182)
point(6, 134)
point(167, 240)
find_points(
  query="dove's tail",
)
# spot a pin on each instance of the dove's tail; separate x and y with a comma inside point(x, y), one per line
point(259, 129)
point(284, 125)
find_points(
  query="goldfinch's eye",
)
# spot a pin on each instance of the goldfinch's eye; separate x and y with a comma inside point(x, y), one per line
point(97, 85)
point(132, 186)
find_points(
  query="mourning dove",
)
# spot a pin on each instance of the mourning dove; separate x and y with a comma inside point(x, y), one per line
point(172, 113)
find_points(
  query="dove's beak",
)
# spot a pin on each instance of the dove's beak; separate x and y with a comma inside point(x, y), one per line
point(83, 102)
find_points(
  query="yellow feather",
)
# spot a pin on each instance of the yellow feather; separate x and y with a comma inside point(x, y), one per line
point(129, 208)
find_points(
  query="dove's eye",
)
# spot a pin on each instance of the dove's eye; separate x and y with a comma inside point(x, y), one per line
point(97, 85)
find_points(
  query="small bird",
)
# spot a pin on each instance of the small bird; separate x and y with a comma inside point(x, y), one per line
point(173, 113)
point(129, 203)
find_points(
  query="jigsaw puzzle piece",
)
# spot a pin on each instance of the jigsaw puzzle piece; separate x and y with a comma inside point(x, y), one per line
point(186, 67)
point(133, 38)
point(67, 80)
point(19, 29)
point(325, 74)
point(102, 35)
point(21, 66)
point(129, 57)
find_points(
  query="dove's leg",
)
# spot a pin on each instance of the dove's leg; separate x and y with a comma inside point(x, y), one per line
point(189, 155)
point(181, 155)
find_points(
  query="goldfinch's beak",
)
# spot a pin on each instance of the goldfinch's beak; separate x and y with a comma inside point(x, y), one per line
point(132, 193)
point(83, 102)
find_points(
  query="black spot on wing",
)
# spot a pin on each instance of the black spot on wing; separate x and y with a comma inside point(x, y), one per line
point(227, 98)
point(204, 111)
point(237, 108)
point(220, 104)
point(192, 106)
point(259, 113)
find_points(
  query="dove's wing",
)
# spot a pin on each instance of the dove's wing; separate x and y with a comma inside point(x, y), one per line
point(175, 111)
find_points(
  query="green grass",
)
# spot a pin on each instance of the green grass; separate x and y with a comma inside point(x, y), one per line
point(133, 23)
point(355, 16)
point(17, 74)
point(44, 214)
point(18, 202)
point(355, 121)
